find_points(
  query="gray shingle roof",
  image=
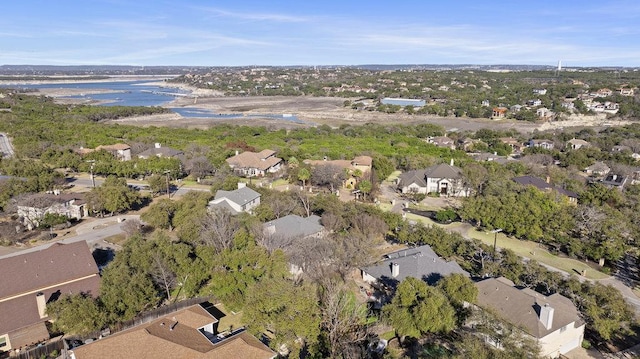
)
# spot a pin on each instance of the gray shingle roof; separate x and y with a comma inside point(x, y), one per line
point(294, 226)
point(240, 196)
point(541, 184)
point(443, 171)
point(420, 262)
point(410, 177)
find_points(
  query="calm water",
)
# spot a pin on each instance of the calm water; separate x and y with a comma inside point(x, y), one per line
point(141, 93)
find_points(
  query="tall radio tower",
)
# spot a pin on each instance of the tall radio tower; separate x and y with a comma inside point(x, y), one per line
point(559, 68)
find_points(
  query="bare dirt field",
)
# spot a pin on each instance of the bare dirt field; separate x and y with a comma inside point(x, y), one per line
point(312, 111)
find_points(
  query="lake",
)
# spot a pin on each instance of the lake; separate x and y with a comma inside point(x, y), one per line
point(144, 93)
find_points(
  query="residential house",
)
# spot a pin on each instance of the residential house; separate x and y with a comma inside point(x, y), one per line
point(546, 144)
point(243, 199)
point(360, 163)
point(577, 143)
point(442, 141)
point(544, 113)
point(626, 91)
point(597, 169)
point(33, 208)
point(120, 151)
point(294, 227)
point(534, 103)
point(604, 92)
point(499, 112)
point(467, 144)
point(34, 277)
point(489, 157)
point(485, 103)
point(516, 146)
point(159, 151)
point(541, 92)
point(252, 164)
point(297, 237)
point(568, 105)
point(552, 321)
point(613, 180)
point(543, 185)
point(419, 262)
point(443, 179)
point(189, 333)
point(515, 108)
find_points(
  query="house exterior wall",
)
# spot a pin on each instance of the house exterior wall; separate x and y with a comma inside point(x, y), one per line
point(454, 188)
point(414, 188)
point(5, 343)
point(368, 278)
point(251, 205)
point(32, 215)
point(561, 341)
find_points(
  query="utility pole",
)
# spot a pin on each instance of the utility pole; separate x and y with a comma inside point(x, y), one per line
point(167, 174)
point(93, 179)
point(495, 241)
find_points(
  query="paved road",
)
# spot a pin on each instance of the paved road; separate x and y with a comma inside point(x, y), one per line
point(6, 149)
point(620, 283)
point(85, 181)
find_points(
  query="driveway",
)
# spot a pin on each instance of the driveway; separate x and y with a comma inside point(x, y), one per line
point(94, 231)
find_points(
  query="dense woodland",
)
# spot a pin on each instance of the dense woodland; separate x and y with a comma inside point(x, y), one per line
point(185, 251)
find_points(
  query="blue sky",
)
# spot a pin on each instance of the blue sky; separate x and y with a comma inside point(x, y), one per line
point(320, 32)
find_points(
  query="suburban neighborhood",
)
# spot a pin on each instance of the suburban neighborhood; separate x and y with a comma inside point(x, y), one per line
point(371, 240)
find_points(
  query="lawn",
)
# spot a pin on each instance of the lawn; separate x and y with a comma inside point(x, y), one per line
point(230, 321)
point(532, 250)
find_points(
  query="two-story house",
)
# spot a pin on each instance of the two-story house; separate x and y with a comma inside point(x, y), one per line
point(443, 179)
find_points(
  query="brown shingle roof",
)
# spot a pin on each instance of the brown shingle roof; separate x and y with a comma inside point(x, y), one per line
point(56, 270)
point(116, 147)
point(520, 307)
point(155, 340)
point(262, 160)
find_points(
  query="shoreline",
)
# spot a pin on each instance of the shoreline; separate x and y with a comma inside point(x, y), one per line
point(311, 111)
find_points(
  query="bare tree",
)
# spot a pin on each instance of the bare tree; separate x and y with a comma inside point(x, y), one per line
point(199, 167)
point(218, 229)
point(368, 226)
point(333, 222)
point(327, 175)
point(132, 227)
point(343, 320)
point(304, 199)
point(162, 274)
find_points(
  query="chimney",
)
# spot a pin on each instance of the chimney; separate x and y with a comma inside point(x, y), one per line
point(42, 305)
point(237, 153)
point(548, 179)
point(451, 162)
point(157, 145)
point(546, 316)
point(395, 269)
point(241, 185)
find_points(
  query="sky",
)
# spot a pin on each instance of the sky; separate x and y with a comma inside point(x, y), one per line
point(320, 32)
